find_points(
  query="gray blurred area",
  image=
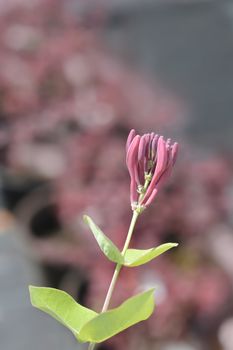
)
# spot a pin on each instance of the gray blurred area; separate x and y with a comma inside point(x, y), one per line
point(21, 326)
point(188, 47)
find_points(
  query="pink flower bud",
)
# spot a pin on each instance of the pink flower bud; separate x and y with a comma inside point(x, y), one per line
point(150, 160)
point(141, 159)
point(132, 161)
point(130, 139)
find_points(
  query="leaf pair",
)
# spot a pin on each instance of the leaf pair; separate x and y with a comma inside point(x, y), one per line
point(133, 257)
point(87, 325)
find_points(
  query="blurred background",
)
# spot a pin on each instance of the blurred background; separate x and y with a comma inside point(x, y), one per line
point(75, 77)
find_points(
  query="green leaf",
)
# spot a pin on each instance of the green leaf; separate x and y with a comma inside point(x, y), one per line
point(112, 322)
point(105, 244)
point(136, 257)
point(62, 307)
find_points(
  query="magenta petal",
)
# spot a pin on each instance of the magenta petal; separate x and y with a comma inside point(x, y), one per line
point(141, 159)
point(154, 145)
point(159, 184)
point(147, 137)
point(175, 148)
point(131, 161)
point(130, 138)
point(162, 157)
point(152, 135)
point(133, 191)
point(151, 198)
point(169, 156)
point(131, 155)
point(142, 148)
point(147, 151)
point(164, 177)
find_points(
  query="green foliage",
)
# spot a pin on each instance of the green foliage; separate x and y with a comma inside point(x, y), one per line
point(105, 244)
point(136, 257)
point(85, 324)
point(62, 307)
point(112, 322)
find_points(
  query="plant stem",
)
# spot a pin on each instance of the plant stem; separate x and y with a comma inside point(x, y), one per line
point(91, 346)
point(130, 232)
point(118, 268)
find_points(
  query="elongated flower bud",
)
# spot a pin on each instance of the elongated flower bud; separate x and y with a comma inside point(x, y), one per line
point(131, 161)
point(130, 139)
point(150, 160)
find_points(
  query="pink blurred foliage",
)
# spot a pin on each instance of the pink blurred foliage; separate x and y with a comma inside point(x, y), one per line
point(53, 70)
point(66, 106)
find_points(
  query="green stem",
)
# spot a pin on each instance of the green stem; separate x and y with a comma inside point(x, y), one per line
point(117, 269)
point(130, 232)
point(91, 346)
point(111, 288)
point(119, 266)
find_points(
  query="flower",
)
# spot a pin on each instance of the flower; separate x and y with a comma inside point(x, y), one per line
point(150, 160)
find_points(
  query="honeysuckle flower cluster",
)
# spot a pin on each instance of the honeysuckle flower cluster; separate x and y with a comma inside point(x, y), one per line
point(150, 160)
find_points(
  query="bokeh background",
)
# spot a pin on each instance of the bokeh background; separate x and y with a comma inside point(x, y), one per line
point(75, 77)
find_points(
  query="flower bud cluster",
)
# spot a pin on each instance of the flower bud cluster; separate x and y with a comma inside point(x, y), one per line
point(150, 160)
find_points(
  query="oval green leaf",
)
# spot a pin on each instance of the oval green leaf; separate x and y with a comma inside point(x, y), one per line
point(106, 245)
point(112, 322)
point(62, 307)
point(136, 257)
